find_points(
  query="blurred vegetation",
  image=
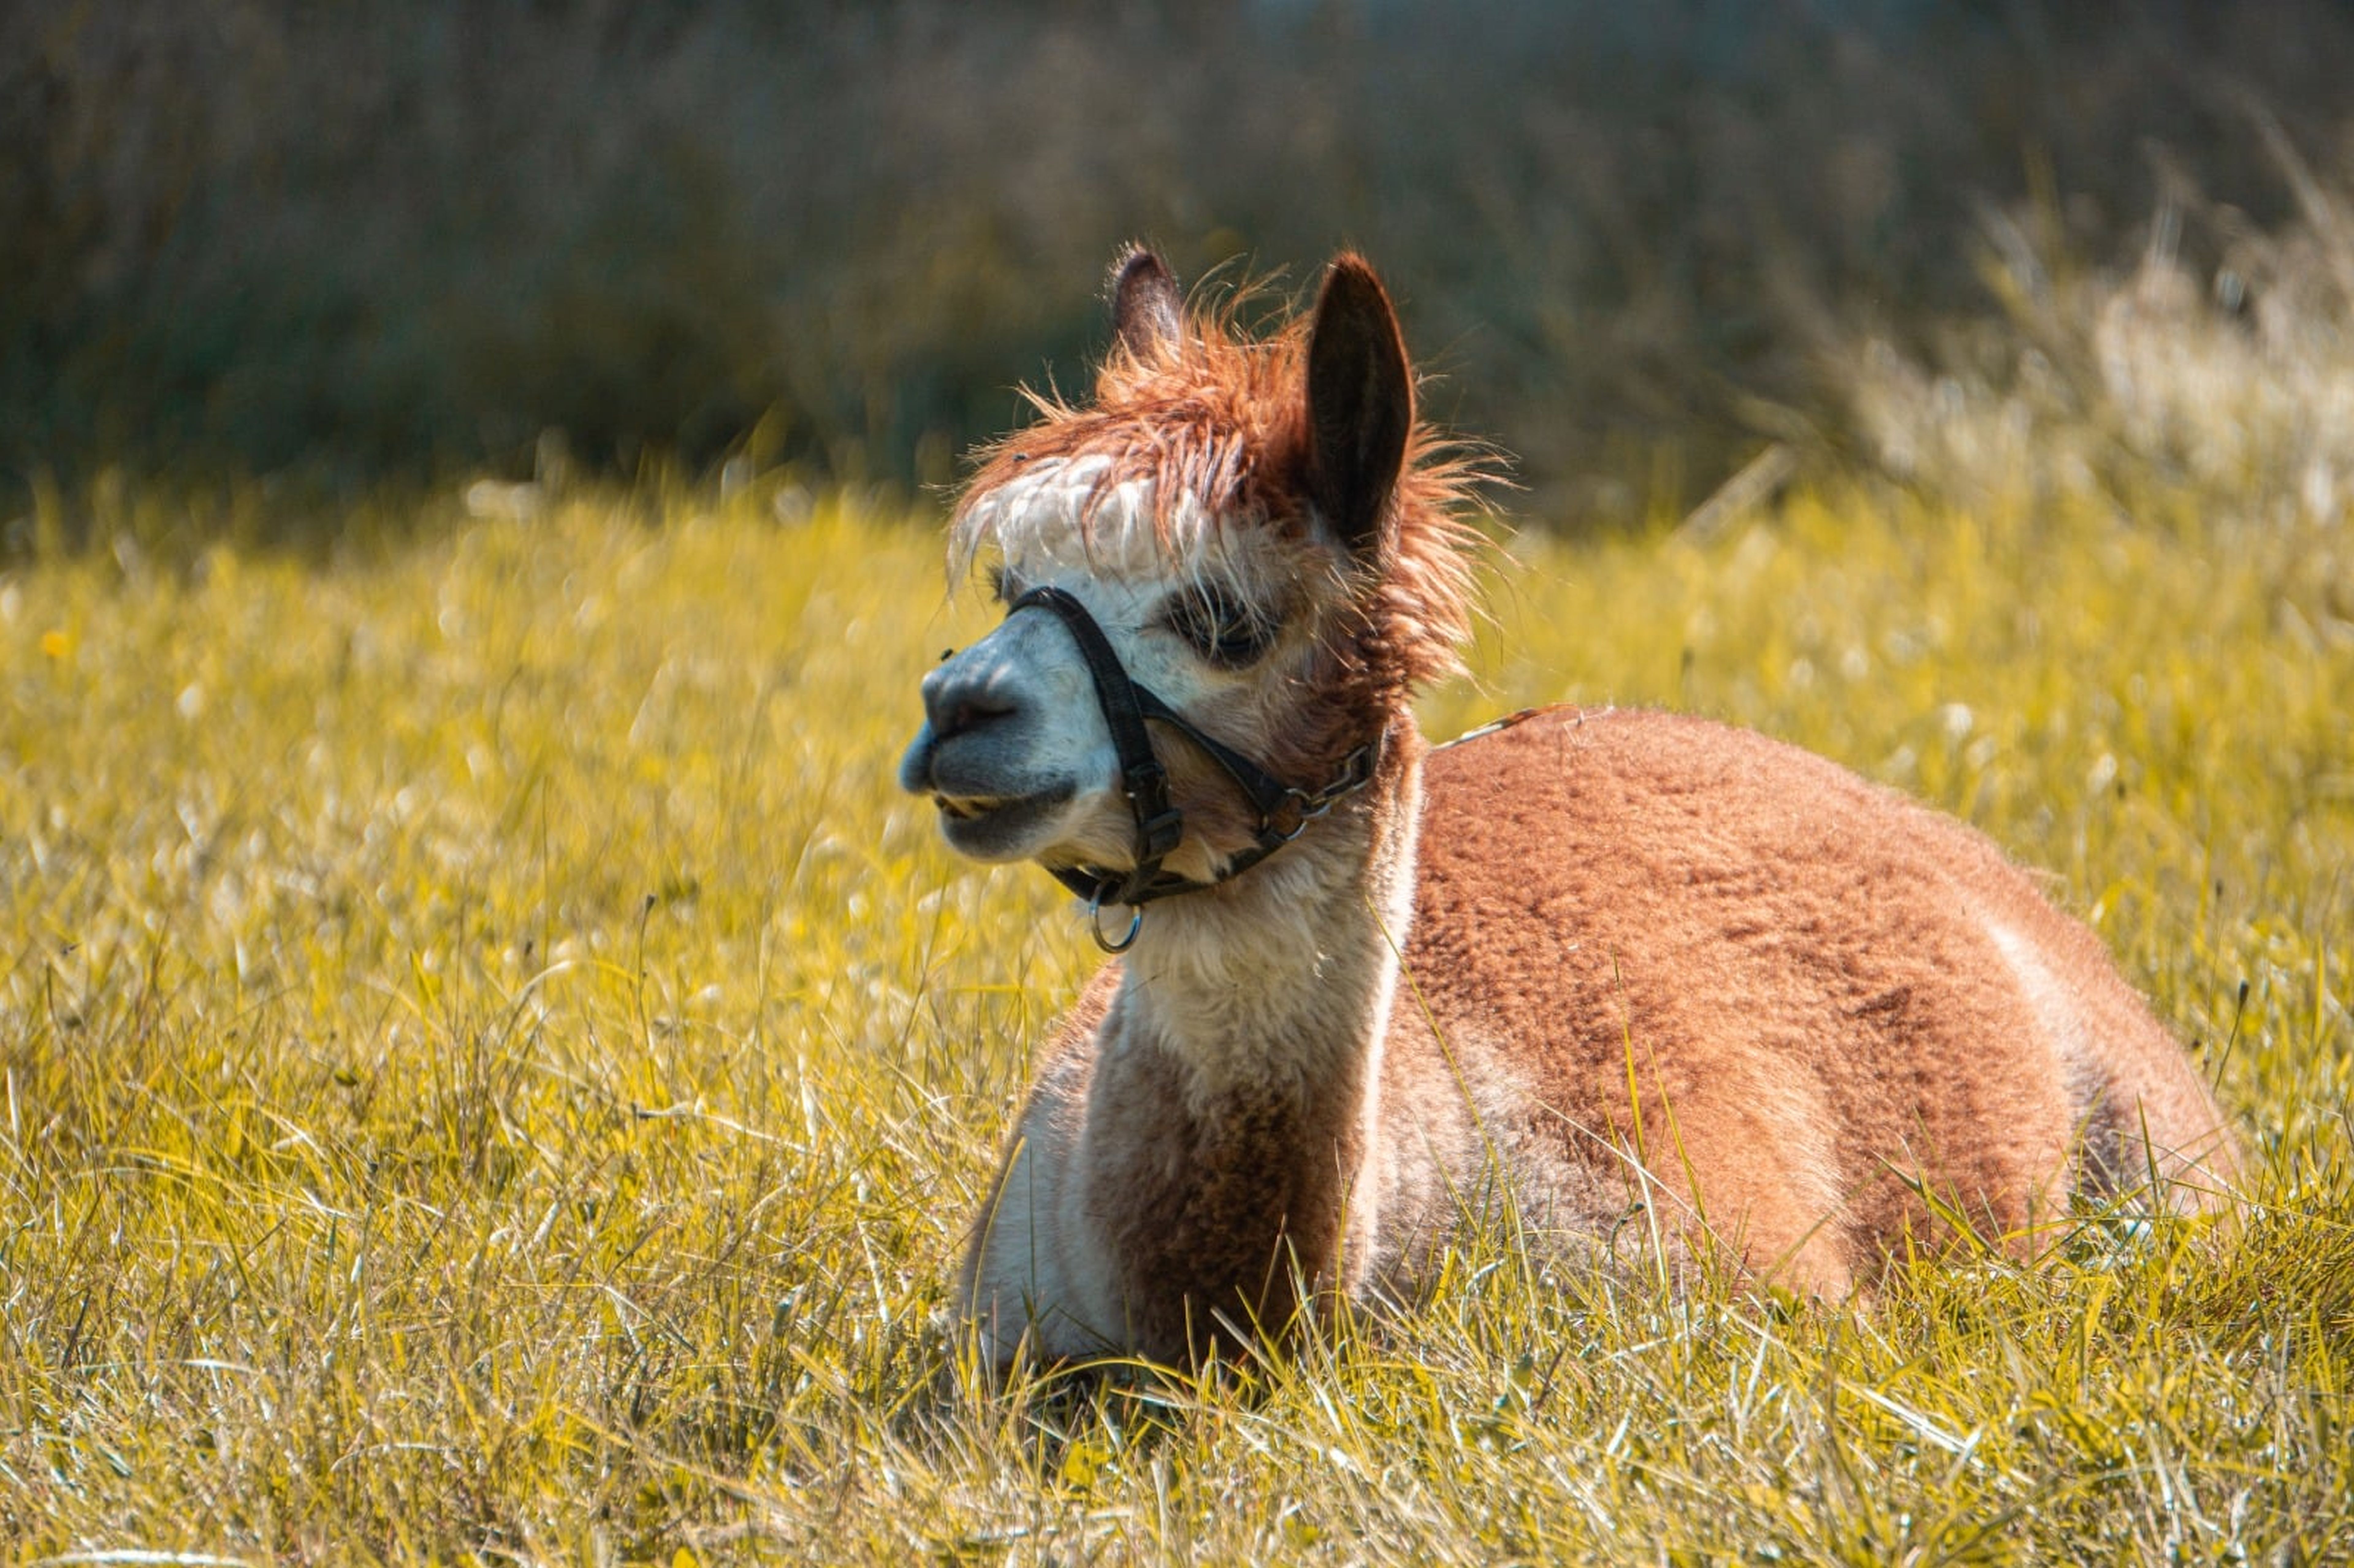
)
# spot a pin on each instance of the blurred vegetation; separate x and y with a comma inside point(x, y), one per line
point(241, 235)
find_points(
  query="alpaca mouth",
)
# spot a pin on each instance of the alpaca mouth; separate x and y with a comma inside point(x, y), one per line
point(991, 826)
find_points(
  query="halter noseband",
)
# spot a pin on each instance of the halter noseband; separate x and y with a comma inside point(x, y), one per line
point(1284, 811)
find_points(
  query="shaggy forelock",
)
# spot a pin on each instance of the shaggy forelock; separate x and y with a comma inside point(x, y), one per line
point(1194, 453)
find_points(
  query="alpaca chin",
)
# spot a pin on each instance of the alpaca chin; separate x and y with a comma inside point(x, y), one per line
point(1000, 829)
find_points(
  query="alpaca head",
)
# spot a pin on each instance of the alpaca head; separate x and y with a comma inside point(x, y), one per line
point(1262, 533)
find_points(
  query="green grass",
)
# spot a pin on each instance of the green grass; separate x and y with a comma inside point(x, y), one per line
point(492, 1066)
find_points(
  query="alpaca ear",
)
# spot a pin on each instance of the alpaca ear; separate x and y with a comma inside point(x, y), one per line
point(1360, 404)
point(1146, 310)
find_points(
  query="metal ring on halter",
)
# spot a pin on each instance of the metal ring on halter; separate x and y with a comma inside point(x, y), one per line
point(1095, 924)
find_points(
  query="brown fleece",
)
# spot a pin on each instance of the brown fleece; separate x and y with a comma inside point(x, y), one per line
point(1791, 959)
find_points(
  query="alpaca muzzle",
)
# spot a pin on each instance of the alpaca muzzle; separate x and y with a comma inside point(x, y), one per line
point(1284, 811)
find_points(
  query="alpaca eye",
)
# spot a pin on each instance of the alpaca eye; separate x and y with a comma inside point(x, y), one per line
point(1221, 628)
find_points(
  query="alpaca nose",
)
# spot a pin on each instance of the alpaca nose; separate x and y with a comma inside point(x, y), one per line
point(958, 699)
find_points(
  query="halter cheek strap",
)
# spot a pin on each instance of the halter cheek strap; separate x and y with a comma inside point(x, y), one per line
point(1284, 811)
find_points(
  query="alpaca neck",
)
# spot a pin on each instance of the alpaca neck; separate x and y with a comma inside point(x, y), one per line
point(1284, 976)
point(1239, 1090)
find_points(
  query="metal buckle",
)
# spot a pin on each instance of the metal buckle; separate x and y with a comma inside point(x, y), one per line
point(1306, 805)
point(1354, 775)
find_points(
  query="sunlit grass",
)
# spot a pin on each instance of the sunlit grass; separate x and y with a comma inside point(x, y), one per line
point(492, 1065)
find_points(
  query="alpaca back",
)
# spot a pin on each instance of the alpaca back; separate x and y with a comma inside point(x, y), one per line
point(1809, 1000)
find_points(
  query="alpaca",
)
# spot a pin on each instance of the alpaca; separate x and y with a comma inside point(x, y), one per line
point(1605, 965)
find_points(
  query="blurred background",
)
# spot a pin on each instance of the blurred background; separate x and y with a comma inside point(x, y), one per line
point(1637, 244)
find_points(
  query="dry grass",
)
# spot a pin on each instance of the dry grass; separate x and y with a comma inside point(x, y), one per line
point(493, 1068)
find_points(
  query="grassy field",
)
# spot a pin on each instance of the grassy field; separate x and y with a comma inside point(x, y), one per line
point(493, 1068)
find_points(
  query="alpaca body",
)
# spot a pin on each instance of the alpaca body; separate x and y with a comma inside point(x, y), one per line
point(1652, 989)
point(1692, 988)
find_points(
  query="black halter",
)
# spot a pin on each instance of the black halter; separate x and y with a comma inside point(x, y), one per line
point(1284, 812)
